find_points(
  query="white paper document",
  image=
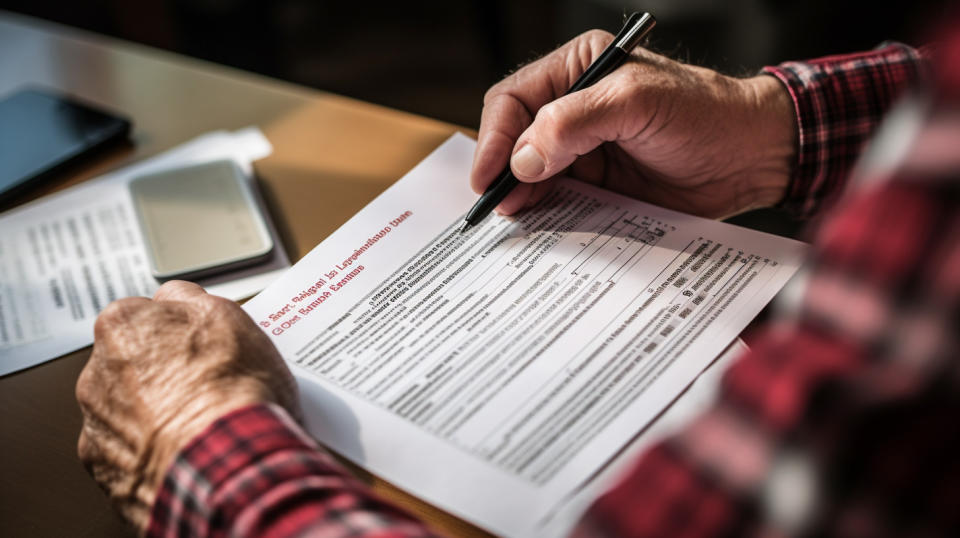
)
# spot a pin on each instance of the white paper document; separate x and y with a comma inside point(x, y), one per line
point(695, 400)
point(495, 373)
point(66, 256)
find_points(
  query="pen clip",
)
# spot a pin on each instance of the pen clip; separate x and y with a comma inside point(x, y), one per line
point(635, 29)
point(627, 23)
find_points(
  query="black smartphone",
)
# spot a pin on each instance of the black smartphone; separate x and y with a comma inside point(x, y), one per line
point(41, 132)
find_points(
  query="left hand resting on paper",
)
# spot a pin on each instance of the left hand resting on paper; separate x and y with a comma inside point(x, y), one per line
point(160, 373)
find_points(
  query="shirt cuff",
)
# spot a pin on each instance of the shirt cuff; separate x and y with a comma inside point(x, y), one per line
point(195, 488)
point(839, 101)
point(255, 472)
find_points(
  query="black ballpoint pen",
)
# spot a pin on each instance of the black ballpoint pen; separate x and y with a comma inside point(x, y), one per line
point(634, 30)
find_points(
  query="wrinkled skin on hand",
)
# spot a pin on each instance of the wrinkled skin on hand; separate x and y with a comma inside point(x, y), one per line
point(161, 371)
point(675, 135)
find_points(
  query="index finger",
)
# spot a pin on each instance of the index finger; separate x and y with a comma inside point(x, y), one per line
point(510, 105)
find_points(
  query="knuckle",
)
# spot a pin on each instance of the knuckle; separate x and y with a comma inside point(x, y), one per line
point(102, 326)
point(171, 289)
point(111, 312)
point(227, 315)
point(115, 314)
point(179, 290)
point(220, 305)
point(501, 89)
point(617, 93)
point(122, 308)
point(492, 93)
point(84, 388)
point(91, 387)
point(84, 447)
point(597, 36)
point(589, 44)
point(553, 120)
point(172, 286)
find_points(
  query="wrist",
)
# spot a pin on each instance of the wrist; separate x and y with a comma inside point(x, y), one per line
point(772, 138)
point(191, 420)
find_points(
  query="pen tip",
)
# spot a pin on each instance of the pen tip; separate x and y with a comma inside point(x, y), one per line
point(466, 227)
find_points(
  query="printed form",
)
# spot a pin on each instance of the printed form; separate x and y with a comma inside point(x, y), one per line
point(64, 257)
point(494, 373)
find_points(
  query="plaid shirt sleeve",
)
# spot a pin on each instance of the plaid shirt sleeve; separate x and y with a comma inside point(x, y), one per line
point(842, 420)
point(839, 101)
point(254, 472)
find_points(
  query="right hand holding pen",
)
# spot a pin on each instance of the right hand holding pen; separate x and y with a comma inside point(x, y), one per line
point(675, 135)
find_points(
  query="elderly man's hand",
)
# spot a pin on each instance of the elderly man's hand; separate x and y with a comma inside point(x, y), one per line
point(161, 371)
point(675, 135)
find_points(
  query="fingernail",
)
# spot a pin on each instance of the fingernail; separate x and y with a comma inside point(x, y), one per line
point(527, 162)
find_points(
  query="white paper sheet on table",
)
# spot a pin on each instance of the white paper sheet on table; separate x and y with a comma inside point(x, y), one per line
point(495, 373)
point(696, 399)
point(66, 256)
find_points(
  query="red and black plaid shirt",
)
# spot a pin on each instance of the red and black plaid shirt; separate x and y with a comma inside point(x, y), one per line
point(843, 419)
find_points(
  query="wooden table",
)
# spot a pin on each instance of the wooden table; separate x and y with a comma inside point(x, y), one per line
point(324, 145)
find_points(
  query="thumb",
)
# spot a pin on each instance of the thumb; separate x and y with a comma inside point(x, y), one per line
point(566, 128)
